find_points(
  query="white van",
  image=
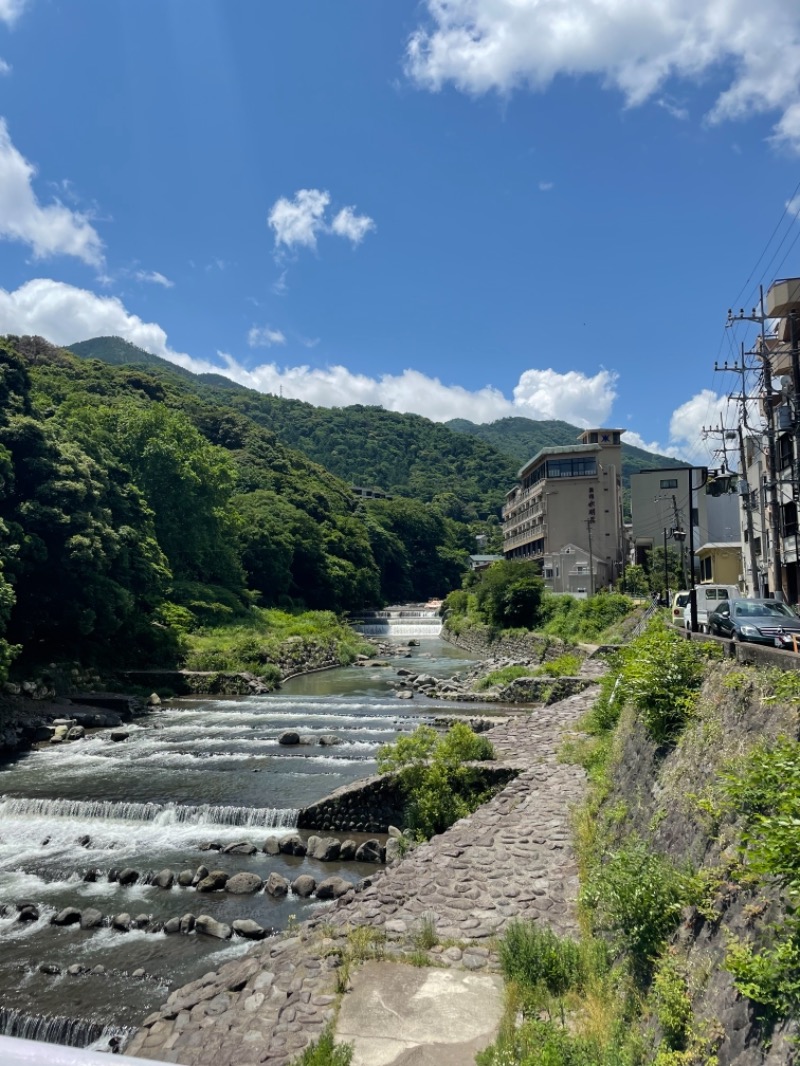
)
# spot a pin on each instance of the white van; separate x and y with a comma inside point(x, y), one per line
point(708, 598)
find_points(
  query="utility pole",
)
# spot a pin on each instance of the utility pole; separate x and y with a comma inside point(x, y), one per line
point(692, 591)
point(774, 558)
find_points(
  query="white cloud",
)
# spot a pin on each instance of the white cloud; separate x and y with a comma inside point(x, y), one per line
point(546, 186)
point(5, 68)
point(634, 46)
point(50, 229)
point(793, 207)
point(10, 10)
point(298, 222)
point(153, 277)
point(264, 337)
point(352, 226)
point(570, 396)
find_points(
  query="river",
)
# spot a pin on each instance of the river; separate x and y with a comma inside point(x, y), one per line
point(191, 772)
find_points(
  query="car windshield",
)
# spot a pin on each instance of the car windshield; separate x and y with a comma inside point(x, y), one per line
point(770, 609)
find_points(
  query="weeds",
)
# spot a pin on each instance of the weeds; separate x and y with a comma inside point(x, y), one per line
point(425, 936)
point(324, 1052)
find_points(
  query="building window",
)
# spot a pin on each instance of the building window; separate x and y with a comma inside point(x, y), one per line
point(572, 467)
point(547, 572)
point(784, 451)
point(668, 483)
point(789, 519)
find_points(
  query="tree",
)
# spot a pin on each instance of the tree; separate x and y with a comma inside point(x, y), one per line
point(510, 594)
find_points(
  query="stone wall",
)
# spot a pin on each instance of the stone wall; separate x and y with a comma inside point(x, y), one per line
point(374, 803)
point(478, 640)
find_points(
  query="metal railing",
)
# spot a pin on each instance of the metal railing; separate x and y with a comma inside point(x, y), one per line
point(644, 621)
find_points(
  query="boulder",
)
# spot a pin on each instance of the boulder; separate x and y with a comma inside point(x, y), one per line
point(404, 694)
point(91, 876)
point(187, 923)
point(392, 849)
point(154, 700)
point(50, 968)
point(171, 926)
point(276, 885)
point(76, 733)
point(244, 847)
point(67, 916)
point(243, 884)
point(210, 845)
point(98, 971)
point(163, 879)
point(140, 921)
point(215, 882)
point(84, 841)
point(293, 845)
point(27, 912)
point(77, 969)
point(370, 851)
point(332, 888)
point(347, 852)
point(118, 735)
point(91, 918)
point(127, 876)
point(139, 973)
point(121, 922)
point(185, 878)
point(326, 849)
point(272, 846)
point(289, 737)
point(200, 873)
point(304, 885)
point(329, 740)
point(247, 928)
point(205, 925)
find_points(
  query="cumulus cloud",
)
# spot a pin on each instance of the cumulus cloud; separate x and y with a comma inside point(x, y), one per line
point(352, 226)
point(10, 10)
point(297, 223)
point(635, 46)
point(264, 337)
point(5, 68)
point(153, 277)
point(48, 229)
point(570, 396)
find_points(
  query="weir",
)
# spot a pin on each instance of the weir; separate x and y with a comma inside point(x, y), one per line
point(69, 1032)
point(158, 813)
point(400, 622)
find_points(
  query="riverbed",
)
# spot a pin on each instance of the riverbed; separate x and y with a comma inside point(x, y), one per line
point(191, 772)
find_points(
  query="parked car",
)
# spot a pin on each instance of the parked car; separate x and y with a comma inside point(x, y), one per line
point(679, 601)
point(708, 597)
point(755, 621)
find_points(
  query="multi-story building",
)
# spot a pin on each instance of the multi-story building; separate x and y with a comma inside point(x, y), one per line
point(569, 498)
point(660, 505)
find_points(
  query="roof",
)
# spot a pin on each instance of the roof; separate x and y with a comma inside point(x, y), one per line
point(485, 558)
point(561, 449)
point(719, 545)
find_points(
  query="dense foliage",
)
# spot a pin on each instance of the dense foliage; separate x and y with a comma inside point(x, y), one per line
point(438, 784)
point(132, 504)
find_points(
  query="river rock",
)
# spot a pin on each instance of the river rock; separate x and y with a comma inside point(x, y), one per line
point(347, 852)
point(84, 841)
point(276, 885)
point(272, 846)
point(187, 924)
point(392, 849)
point(172, 926)
point(185, 878)
point(215, 882)
point(250, 930)
point(91, 876)
point(304, 886)
point(98, 970)
point(244, 847)
point(154, 700)
point(200, 873)
point(370, 851)
point(205, 925)
point(27, 912)
point(139, 973)
point(118, 735)
point(293, 845)
point(91, 918)
point(163, 879)
point(140, 921)
point(404, 694)
point(329, 740)
point(76, 733)
point(121, 922)
point(77, 969)
point(325, 849)
point(51, 968)
point(127, 876)
point(210, 845)
point(332, 888)
point(67, 916)
point(243, 884)
point(289, 737)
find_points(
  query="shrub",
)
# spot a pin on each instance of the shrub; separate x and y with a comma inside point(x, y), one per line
point(324, 1052)
point(536, 958)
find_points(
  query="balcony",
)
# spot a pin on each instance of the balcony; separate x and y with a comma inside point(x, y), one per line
point(783, 297)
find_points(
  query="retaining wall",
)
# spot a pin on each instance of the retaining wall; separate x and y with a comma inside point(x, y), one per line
point(479, 641)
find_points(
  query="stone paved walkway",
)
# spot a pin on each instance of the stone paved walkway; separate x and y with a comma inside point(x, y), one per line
point(512, 858)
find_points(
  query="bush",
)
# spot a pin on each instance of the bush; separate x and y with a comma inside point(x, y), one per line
point(324, 1052)
point(572, 619)
point(510, 594)
point(536, 958)
point(439, 788)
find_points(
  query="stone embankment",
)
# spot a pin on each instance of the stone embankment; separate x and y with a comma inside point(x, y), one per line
point(532, 647)
point(40, 716)
point(512, 858)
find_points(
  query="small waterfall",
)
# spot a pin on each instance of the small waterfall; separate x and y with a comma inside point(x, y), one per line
point(157, 813)
point(70, 1032)
point(400, 622)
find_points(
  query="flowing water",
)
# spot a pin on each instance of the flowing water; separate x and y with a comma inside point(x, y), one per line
point(190, 773)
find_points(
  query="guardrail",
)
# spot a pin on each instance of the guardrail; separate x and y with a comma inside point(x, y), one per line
point(644, 621)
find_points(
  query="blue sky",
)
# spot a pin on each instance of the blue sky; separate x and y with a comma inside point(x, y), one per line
point(464, 208)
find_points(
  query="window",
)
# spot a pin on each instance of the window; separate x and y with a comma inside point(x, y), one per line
point(668, 483)
point(789, 519)
point(572, 467)
point(547, 572)
point(784, 451)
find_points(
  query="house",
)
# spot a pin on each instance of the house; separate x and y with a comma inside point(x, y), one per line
point(569, 570)
point(570, 496)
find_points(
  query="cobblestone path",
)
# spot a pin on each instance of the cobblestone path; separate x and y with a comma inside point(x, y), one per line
point(512, 858)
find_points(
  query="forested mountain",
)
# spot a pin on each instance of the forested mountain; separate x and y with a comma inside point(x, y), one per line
point(132, 507)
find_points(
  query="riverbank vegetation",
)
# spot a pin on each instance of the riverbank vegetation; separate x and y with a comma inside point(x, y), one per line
point(439, 781)
point(511, 595)
point(688, 848)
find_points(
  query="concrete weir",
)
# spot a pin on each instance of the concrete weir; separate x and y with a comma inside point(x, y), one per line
point(512, 858)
